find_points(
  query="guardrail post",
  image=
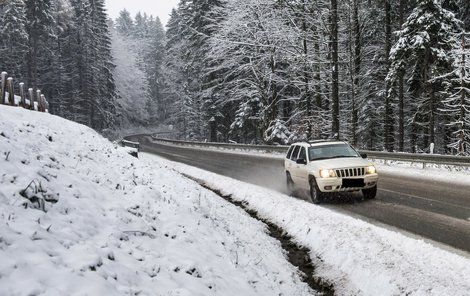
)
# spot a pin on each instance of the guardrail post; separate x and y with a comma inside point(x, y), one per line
point(43, 100)
point(4, 87)
point(22, 95)
point(31, 98)
point(38, 99)
point(11, 91)
point(213, 130)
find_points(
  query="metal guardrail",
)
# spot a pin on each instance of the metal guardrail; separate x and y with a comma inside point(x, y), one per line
point(131, 144)
point(405, 157)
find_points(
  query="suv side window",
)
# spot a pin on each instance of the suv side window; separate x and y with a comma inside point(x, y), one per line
point(289, 153)
point(303, 153)
point(293, 157)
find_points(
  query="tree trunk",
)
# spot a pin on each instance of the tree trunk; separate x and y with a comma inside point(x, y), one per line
point(357, 70)
point(306, 76)
point(463, 127)
point(401, 93)
point(335, 73)
point(388, 124)
point(432, 116)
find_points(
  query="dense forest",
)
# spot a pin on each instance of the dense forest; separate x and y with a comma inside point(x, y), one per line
point(62, 48)
point(382, 74)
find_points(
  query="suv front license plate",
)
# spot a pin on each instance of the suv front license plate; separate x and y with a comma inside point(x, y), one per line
point(353, 183)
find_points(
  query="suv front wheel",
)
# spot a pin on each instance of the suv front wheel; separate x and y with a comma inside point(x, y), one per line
point(315, 194)
point(370, 193)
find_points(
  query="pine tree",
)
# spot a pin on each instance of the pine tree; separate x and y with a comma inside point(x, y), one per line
point(335, 73)
point(13, 39)
point(41, 31)
point(424, 50)
point(457, 106)
point(61, 90)
point(124, 23)
point(157, 104)
point(140, 29)
point(95, 89)
point(177, 74)
point(103, 108)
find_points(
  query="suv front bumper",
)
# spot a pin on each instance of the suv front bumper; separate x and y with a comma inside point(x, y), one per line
point(341, 185)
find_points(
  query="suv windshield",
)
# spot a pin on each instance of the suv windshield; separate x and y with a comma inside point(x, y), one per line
point(331, 151)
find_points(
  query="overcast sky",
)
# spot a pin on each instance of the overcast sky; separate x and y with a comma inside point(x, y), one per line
point(160, 8)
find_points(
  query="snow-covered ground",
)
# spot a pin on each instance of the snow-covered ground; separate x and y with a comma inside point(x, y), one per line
point(446, 174)
point(79, 216)
point(359, 258)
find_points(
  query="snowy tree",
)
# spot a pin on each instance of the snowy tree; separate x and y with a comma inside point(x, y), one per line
point(131, 80)
point(457, 106)
point(140, 28)
point(13, 38)
point(250, 52)
point(124, 23)
point(157, 104)
point(264, 69)
point(42, 38)
point(95, 89)
point(424, 50)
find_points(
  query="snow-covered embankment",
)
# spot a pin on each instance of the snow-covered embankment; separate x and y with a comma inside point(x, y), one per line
point(78, 215)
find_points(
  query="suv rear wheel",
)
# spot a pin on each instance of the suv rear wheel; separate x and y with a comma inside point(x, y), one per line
point(290, 184)
point(370, 193)
point(315, 194)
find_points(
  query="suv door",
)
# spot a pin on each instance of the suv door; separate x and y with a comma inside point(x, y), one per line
point(301, 173)
point(287, 161)
point(291, 162)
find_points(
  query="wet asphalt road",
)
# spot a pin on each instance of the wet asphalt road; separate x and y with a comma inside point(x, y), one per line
point(434, 210)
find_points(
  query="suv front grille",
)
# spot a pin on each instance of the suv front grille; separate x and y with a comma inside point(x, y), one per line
point(352, 172)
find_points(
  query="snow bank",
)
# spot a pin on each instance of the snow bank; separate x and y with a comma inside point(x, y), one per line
point(79, 216)
point(358, 257)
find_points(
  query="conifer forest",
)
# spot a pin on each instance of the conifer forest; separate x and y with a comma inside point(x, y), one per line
point(387, 75)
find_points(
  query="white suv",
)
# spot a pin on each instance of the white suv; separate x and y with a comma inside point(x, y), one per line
point(325, 166)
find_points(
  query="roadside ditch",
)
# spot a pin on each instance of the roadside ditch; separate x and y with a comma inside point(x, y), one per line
point(298, 256)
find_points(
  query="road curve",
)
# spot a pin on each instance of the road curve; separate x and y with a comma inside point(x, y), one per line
point(434, 210)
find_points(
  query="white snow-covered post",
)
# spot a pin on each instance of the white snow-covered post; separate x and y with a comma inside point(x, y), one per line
point(31, 98)
point(4, 87)
point(43, 103)
point(11, 91)
point(38, 99)
point(22, 95)
point(213, 130)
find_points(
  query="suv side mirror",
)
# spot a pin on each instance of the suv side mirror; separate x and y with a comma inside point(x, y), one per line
point(301, 161)
point(363, 155)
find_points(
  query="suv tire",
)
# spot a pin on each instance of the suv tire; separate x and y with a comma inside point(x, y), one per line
point(370, 193)
point(290, 184)
point(315, 194)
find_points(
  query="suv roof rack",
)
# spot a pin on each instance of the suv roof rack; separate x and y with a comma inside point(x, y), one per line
point(322, 141)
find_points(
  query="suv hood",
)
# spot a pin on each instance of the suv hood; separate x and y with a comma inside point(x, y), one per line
point(340, 163)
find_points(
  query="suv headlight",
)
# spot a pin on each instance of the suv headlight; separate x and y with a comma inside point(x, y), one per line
point(371, 170)
point(327, 173)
